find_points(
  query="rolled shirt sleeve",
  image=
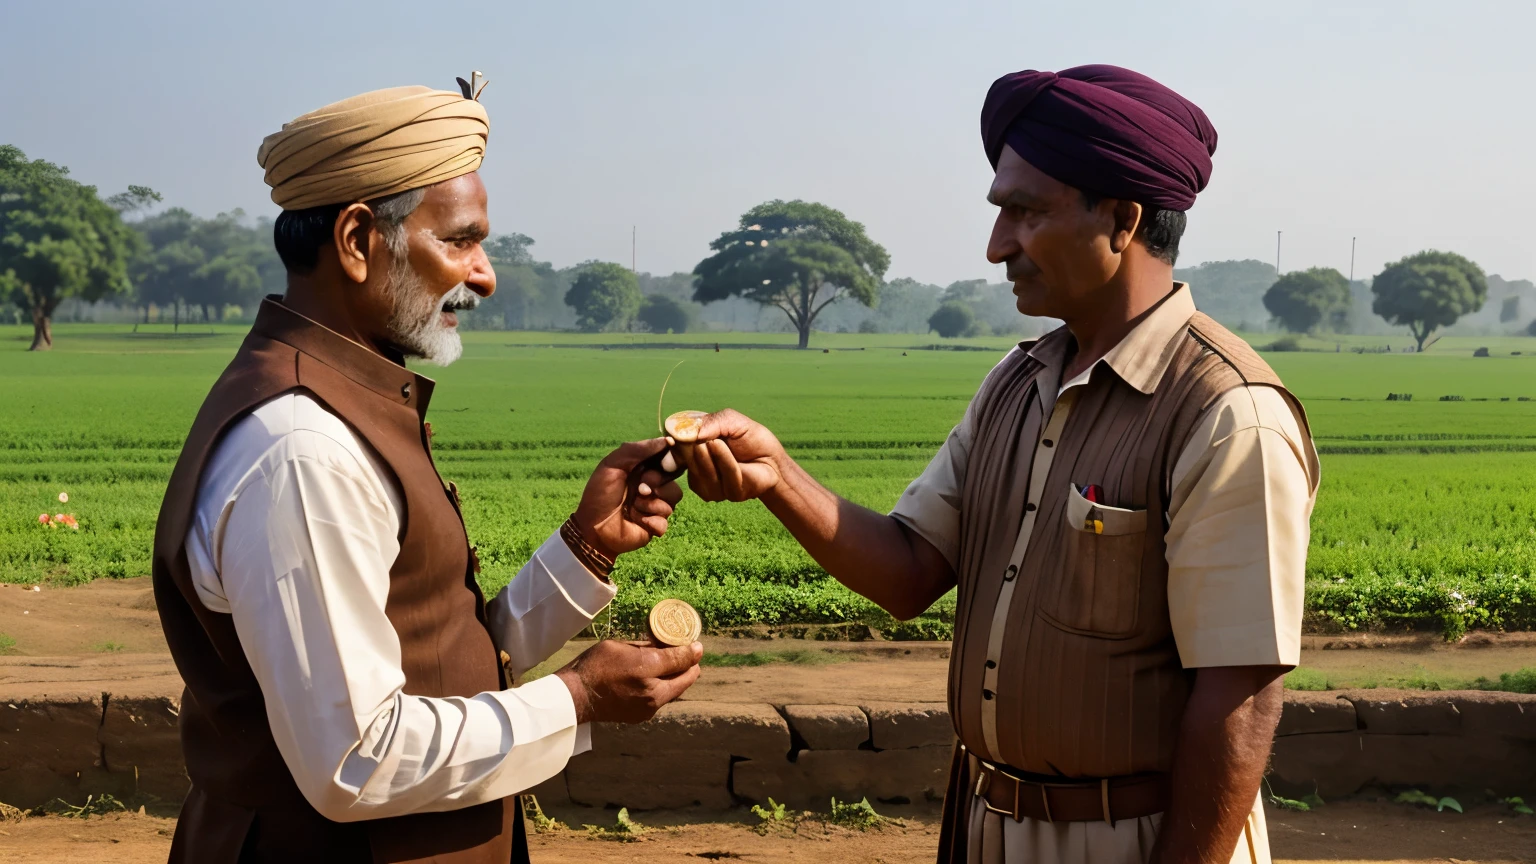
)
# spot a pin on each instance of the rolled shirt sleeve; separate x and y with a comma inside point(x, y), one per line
point(302, 552)
point(1239, 524)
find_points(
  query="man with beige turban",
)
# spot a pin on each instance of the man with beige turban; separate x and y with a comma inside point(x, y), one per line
point(348, 686)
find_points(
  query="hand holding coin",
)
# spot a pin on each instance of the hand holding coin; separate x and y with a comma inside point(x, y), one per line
point(674, 623)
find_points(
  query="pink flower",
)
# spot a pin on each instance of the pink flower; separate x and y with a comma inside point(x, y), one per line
point(43, 519)
point(58, 517)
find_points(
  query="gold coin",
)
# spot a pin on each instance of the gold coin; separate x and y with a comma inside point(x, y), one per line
point(684, 426)
point(674, 622)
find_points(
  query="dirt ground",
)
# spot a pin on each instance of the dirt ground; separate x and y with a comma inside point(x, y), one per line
point(1343, 832)
point(105, 636)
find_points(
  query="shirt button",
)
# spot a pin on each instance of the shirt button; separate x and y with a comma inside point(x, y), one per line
point(991, 664)
point(405, 390)
point(988, 695)
point(1029, 508)
point(1011, 572)
point(1048, 443)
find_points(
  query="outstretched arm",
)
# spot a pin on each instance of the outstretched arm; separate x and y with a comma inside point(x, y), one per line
point(554, 597)
point(735, 459)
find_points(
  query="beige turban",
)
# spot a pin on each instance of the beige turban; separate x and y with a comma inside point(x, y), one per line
point(372, 145)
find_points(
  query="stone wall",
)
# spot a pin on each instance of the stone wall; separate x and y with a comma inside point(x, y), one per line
point(717, 755)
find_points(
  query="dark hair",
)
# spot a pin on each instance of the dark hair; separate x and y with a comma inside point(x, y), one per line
point(299, 235)
point(1159, 231)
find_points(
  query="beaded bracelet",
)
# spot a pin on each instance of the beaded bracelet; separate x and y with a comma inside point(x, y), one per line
point(585, 552)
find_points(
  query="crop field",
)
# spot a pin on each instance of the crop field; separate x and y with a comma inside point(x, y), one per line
point(1427, 516)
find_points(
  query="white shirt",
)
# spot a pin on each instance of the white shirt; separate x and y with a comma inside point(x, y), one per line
point(296, 527)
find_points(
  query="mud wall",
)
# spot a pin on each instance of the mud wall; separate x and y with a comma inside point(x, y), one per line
point(717, 755)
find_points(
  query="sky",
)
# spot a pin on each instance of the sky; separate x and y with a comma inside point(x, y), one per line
point(1407, 125)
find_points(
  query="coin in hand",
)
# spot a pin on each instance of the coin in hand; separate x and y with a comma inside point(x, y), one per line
point(673, 622)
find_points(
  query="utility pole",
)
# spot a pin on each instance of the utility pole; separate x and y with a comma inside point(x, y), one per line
point(1352, 259)
point(1277, 254)
point(632, 250)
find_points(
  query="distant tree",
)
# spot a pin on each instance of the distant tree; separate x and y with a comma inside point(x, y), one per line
point(905, 305)
point(509, 249)
point(203, 263)
point(1305, 300)
point(57, 240)
point(797, 256)
point(1232, 292)
point(605, 296)
point(1510, 309)
point(1429, 290)
point(952, 318)
point(663, 314)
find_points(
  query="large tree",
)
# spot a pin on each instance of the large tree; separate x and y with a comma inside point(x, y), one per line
point(1429, 290)
point(605, 296)
point(1303, 301)
point(57, 240)
point(796, 256)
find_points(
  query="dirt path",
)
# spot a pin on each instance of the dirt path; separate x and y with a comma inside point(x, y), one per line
point(105, 636)
point(1343, 832)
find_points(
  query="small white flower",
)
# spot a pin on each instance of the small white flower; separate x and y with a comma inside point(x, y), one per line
point(63, 497)
point(37, 588)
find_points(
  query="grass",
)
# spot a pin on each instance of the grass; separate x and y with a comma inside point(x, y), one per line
point(1304, 678)
point(1426, 518)
point(7, 644)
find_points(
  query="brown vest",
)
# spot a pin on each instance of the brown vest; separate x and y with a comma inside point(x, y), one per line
point(243, 796)
point(1089, 683)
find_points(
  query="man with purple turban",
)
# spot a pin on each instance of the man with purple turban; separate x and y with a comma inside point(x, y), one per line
point(1123, 508)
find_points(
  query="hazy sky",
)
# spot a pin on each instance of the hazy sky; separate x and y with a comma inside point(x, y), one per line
point(1407, 124)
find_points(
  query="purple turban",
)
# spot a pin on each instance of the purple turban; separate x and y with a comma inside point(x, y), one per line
point(1104, 130)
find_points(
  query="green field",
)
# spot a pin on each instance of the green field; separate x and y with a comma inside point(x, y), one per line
point(1427, 516)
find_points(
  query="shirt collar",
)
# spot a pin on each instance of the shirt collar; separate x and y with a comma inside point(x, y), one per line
point(385, 376)
point(1141, 358)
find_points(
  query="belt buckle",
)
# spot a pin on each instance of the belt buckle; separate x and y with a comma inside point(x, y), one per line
point(984, 785)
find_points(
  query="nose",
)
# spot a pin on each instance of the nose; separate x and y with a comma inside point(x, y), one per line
point(1003, 244)
point(482, 276)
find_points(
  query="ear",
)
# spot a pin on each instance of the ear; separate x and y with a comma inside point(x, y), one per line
point(1127, 220)
point(353, 230)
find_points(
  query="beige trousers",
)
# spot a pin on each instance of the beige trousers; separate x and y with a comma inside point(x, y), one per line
point(997, 839)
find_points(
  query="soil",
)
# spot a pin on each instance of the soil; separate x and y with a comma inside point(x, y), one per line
point(1356, 831)
point(105, 636)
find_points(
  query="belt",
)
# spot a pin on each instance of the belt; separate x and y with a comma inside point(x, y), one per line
point(1110, 798)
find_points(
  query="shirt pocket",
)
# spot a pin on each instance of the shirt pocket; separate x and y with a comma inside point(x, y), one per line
point(1097, 589)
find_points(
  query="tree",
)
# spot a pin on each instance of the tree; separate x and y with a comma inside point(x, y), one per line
point(509, 249)
point(952, 318)
point(206, 263)
point(604, 295)
point(1232, 292)
point(797, 256)
point(1304, 300)
point(57, 240)
point(1429, 290)
point(663, 314)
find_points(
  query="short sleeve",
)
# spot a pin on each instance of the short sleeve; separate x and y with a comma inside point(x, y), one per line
point(1239, 524)
point(931, 504)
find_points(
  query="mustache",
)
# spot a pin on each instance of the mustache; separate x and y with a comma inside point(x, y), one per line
point(460, 299)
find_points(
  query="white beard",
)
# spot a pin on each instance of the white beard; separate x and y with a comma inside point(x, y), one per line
point(416, 323)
